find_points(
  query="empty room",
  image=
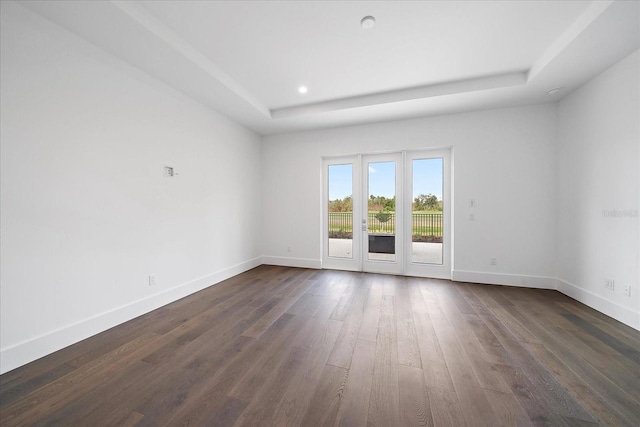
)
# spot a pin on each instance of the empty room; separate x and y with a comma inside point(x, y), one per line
point(301, 213)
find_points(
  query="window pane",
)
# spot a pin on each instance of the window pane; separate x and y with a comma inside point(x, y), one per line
point(381, 217)
point(340, 221)
point(426, 240)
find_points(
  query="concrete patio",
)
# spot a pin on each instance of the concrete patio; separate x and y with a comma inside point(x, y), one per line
point(422, 253)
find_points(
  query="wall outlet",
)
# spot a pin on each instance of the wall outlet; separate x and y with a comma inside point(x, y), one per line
point(472, 203)
point(609, 284)
point(493, 261)
point(626, 289)
point(288, 248)
point(168, 172)
point(152, 280)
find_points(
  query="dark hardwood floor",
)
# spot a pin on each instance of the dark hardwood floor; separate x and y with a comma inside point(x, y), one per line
point(286, 346)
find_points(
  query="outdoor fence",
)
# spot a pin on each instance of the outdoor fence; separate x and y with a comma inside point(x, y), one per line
point(341, 222)
point(425, 226)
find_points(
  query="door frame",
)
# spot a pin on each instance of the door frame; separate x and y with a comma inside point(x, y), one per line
point(360, 210)
point(355, 262)
point(375, 266)
point(438, 271)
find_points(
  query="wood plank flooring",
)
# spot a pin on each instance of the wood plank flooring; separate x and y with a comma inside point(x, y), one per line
point(296, 347)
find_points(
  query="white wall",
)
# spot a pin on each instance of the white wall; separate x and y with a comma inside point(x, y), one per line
point(598, 152)
point(504, 159)
point(86, 214)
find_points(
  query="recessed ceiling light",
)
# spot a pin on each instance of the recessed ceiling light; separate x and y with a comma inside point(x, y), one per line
point(554, 91)
point(302, 89)
point(368, 22)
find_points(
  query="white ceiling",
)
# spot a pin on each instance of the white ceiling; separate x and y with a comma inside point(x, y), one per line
point(247, 59)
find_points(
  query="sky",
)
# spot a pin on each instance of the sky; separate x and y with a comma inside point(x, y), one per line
point(382, 179)
point(340, 181)
point(427, 178)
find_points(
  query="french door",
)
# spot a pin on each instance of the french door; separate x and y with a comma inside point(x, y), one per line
point(388, 213)
point(381, 219)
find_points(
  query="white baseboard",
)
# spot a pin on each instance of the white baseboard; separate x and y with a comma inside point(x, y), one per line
point(292, 262)
point(539, 282)
point(35, 348)
point(603, 305)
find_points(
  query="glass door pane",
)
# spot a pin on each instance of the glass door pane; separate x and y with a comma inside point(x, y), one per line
point(427, 210)
point(428, 213)
point(381, 212)
point(341, 246)
point(340, 211)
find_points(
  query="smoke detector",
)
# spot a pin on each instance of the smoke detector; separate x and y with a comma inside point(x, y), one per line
point(368, 22)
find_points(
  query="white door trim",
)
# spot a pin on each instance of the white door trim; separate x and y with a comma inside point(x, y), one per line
point(355, 262)
point(441, 271)
point(404, 182)
point(395, 266)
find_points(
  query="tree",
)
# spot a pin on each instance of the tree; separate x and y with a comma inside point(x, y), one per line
point(389, 204)
point(377, 203)
point(383, 216)
point(426, 202)
point(341, 205)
